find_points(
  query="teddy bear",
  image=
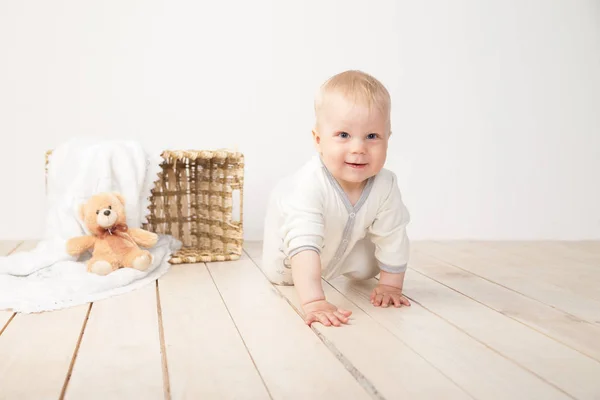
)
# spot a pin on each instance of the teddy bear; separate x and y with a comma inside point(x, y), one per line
point(113, 244)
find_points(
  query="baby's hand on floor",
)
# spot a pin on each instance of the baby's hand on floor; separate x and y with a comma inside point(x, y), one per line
point(384, 295)
point(324, 312)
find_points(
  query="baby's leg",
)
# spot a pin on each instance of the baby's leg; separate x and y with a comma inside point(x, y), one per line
point(273, 263)
point(361, 263)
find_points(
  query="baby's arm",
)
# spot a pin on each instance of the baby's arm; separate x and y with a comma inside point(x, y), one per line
point(392, 279)
point(306, 271)
point(388, 233)
point(303, 236)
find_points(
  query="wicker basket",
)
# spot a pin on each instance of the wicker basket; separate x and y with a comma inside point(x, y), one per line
point(192, 200)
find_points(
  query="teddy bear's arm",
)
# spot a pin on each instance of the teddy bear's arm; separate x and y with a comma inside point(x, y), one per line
point(143, 237)
point(79, 245)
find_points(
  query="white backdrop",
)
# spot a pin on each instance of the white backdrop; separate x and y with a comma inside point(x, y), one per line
point(496, 104)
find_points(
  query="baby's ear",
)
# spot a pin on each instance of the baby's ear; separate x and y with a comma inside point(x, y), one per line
point(120, 197)
point(317, 140)
point(82, 212)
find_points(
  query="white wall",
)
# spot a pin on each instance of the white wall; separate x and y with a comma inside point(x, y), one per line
point(496, 113)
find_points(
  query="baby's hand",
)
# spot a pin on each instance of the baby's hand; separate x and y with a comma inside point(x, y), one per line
point(384, 295)
point(324, 312)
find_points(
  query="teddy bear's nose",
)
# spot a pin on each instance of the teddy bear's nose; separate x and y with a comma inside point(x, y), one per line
point(107, 212)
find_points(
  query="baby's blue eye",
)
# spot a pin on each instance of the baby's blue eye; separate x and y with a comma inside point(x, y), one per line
point(372, 136)
point(344, 135)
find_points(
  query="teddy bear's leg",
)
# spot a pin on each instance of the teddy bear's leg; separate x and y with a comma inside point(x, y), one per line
point(138, 259)
point(100, 267)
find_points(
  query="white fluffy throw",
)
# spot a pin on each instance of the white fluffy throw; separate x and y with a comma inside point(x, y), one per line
point(47, 278)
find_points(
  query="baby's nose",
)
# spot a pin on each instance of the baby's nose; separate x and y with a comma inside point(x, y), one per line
point(107, 212)
point(358, 148)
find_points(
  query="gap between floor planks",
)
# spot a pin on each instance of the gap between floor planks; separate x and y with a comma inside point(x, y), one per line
point(398, 371)
point(546, 263)
point(473, 367)
point(293, 362)
point(87, 350)
point(568, 329)
point(513, 275)
point(579, 380)
point(44, 343)
point(199, 334)
point(74, 346)
point(216, 266)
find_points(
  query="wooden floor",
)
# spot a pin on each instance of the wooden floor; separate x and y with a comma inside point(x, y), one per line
point(489, 320)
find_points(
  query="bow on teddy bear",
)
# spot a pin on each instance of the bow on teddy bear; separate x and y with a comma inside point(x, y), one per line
point(113, 244)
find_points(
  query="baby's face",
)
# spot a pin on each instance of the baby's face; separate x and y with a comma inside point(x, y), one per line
point(353, 141)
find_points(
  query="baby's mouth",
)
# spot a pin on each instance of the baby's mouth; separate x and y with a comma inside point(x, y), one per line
point(356, 165)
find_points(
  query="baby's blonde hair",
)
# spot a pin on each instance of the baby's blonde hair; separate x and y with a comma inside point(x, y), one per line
point(356, 86)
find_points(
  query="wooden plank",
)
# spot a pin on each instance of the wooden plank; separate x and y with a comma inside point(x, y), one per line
point(120, 357)
point(364, 341)
point(565, 368)
point(576, 333)
point(6, 247)
point(475, 367)
point(512, 276)
point(542, 262)
point(548, 265)
point(253, 249)
point(26, 246)
point(587, 247)
point(588, 252)
point(577, 251)
point(36, 350)
point(5, 317)
point(206, 356)
point(542, 251)
point(293, 362)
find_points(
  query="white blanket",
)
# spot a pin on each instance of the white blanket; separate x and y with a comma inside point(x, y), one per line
point(47, 278)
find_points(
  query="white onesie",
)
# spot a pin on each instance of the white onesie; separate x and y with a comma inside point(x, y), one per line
point(310, 211)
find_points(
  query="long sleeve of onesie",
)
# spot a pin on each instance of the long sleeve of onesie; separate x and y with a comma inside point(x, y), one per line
point(303, 227)
point(388, 232)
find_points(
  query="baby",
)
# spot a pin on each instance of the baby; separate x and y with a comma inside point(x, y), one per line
point(342, 212)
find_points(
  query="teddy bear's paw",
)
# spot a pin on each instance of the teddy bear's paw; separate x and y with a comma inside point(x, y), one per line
point(142, 262)
point(101, 268)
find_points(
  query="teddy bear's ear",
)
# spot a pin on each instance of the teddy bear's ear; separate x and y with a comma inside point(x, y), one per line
point(120, 197)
